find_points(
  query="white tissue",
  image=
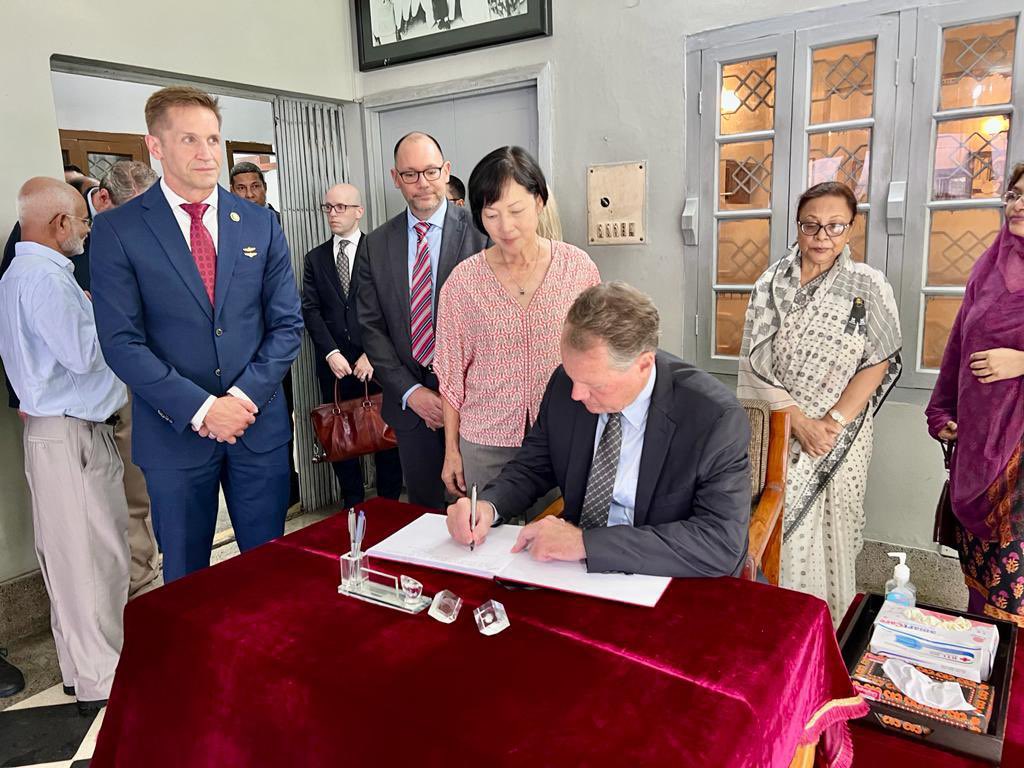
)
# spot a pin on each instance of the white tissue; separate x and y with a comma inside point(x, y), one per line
point(923, 689)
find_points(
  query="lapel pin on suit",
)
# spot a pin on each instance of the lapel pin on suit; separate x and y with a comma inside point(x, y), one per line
point(234, 216)
point(249, 251)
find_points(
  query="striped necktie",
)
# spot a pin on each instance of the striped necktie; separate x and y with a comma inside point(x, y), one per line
point(421, 300)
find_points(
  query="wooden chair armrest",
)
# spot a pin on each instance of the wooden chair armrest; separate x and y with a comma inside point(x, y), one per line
point(765, 543)
point(554, 509)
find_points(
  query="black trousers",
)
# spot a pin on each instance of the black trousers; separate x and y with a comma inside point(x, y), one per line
point(422, 452)
point(389, 477)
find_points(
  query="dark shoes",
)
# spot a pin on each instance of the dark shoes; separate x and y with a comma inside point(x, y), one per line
point(87, 708)
point(69, 690)
point(11, 679)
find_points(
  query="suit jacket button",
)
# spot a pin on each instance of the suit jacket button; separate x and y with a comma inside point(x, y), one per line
point(220, 331)
point(217, 372)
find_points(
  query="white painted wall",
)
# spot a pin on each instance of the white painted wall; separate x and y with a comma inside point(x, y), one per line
point(307, 48)
point(618, 94)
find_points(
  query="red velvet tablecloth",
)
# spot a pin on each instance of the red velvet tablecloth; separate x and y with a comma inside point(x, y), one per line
point(259, 662)
point(874, 748)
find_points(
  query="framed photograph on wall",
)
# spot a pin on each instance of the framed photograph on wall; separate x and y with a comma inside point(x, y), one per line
point(393, 32)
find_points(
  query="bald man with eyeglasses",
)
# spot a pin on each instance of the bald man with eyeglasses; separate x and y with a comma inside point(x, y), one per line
point(329, 286)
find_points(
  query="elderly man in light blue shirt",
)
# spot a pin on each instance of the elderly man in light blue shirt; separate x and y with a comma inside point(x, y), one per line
point(69, 396)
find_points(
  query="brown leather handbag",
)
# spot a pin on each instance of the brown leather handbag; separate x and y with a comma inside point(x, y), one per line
point(350, 428)
point(945, 520)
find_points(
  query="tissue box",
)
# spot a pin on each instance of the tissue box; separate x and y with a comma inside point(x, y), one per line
point(911, 634)
point(871, 682)
point(854, 638)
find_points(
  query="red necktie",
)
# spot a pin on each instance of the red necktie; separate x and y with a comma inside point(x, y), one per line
point(421, 300)
point(201, 244)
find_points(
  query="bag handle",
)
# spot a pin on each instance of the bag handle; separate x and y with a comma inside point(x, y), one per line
point(337, 395)
point(947, 452)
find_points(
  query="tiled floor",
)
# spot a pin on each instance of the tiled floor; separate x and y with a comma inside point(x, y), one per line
point(41, 727)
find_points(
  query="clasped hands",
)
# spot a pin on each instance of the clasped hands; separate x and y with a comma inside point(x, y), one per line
point(227, 419)
point(549, 538)
point(816, 436)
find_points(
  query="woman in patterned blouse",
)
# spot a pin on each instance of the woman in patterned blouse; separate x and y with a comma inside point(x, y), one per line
point(500, 320)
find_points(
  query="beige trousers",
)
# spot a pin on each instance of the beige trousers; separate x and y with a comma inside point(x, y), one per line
point(145, 562)
point(80, 518)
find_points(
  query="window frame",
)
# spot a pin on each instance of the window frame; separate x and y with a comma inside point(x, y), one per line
point(895, 190)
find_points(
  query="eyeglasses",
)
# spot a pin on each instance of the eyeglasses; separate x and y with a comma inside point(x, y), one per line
point(430, 174)
point(832, 229)
point(339, 208)
point(1012, 196)
point(87, 222)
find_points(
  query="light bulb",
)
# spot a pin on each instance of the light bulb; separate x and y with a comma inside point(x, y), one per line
point(730, 101)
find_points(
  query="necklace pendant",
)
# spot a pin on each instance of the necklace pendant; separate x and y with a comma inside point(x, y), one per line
point(522, 291)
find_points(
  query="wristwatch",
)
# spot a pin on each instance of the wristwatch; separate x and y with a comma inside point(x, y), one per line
point(838, 418)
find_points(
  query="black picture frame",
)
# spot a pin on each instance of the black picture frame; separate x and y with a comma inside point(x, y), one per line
point(536, 22)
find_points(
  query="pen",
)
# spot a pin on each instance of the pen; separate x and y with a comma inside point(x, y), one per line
point(472, 515)
point(351, 529)
point(360, 530)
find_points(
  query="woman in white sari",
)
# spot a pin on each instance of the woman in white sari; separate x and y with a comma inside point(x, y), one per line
point(822, 341)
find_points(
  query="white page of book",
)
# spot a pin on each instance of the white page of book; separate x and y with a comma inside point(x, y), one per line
point(426, 542)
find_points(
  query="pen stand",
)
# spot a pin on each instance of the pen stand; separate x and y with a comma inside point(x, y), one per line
point(360, 581)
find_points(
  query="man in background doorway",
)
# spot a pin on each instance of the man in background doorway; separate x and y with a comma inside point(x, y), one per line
point(329, 289)
point(126, 180)
point(248, 181)
point(407, 261)
point(456, 191)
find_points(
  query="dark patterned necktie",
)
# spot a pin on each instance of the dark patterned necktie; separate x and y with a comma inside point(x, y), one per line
point(597, 501)
point(201, 245)
point(341, 264)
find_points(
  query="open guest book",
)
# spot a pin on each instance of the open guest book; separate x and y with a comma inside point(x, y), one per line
point(425, 541)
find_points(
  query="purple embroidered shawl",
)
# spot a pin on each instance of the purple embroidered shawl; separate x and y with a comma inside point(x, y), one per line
point(989, 417)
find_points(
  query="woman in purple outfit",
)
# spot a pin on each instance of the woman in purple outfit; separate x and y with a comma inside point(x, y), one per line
point(978, 402)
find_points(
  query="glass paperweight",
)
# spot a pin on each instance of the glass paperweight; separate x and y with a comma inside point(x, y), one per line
point(491, 618)
point(445, 607)
point(411, 590)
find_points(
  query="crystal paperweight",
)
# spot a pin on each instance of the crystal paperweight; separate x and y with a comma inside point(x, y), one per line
point(491, 618)
point(445, 607)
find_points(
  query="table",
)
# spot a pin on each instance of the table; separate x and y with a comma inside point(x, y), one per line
point(259, 662)
point(874, 748)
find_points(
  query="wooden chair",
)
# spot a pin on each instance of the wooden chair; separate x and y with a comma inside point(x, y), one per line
point(769, 454)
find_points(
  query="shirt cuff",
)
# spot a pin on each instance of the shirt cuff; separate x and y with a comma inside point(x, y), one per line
point(332, 352)
point(405, 397)
point(200, 417)
point(236, 392)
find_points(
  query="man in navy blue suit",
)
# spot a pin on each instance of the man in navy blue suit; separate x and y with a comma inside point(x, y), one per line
point(198, 314)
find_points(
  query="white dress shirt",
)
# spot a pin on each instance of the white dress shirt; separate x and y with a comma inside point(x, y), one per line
point(434, 234)
point(634, 422)
point(175, 201)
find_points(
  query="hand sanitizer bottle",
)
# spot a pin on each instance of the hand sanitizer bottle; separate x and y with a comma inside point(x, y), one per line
point(899, 588)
